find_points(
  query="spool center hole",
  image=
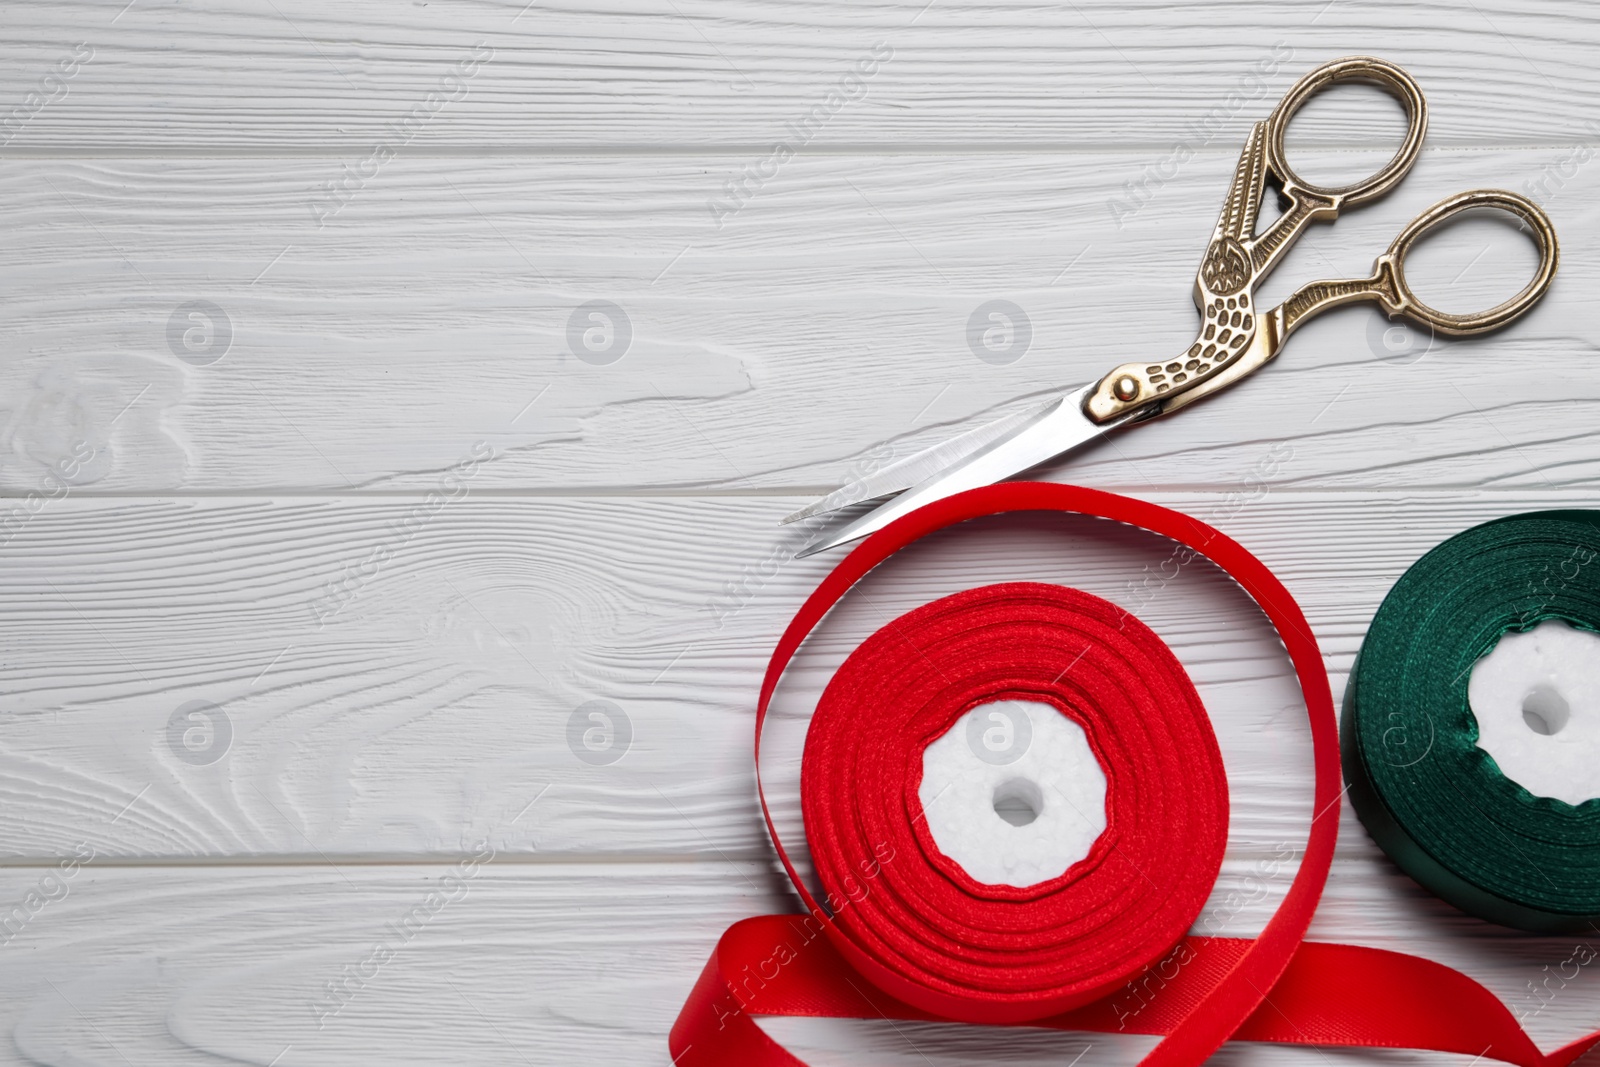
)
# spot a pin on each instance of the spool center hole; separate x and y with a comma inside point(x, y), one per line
point(1018, 801)
point(1545, 710)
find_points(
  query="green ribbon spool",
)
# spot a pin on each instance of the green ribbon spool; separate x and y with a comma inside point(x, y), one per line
point(1434, 801)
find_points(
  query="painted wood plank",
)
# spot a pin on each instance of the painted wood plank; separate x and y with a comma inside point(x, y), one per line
point(824, 328)
point(524, 964)
point(509, 75)
point(399, 673)
point(226, 679)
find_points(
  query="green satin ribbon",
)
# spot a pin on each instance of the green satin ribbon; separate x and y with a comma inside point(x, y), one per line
point(1434, 801)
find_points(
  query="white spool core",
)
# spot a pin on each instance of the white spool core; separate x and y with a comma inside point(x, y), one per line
point(1536, 697)
point(1013, 793)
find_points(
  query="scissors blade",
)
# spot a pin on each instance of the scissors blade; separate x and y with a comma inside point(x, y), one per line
point(1059, 428)
point(904, 473)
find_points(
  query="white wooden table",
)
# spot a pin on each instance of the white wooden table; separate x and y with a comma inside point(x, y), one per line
point(289, 289)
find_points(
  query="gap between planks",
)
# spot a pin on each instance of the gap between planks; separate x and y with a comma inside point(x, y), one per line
point(341, 152)
point(733, 856)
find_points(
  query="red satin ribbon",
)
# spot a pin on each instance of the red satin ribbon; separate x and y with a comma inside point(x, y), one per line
point(1272, 988)
point(935, 936)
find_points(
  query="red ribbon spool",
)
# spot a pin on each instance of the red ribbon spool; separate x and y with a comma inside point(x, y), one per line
point(928, 932)
point(1275, 987)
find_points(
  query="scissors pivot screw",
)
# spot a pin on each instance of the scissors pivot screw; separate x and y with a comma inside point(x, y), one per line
point(1126, 388)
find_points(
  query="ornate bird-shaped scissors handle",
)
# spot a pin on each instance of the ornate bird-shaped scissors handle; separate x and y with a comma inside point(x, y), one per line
point(1238, 259)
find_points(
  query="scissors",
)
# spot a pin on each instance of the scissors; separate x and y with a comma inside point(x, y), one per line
point(1236, 337)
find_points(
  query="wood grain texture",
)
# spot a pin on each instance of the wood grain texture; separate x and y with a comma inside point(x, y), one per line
point(398, 537)
point(821, 330)
point(695, 73)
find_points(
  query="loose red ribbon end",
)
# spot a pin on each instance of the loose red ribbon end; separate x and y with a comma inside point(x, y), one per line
point(1330, 995)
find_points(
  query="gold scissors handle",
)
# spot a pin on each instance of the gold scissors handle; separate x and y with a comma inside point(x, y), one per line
point(1238, 259)
point(1388, 287)
point(1309, 202)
